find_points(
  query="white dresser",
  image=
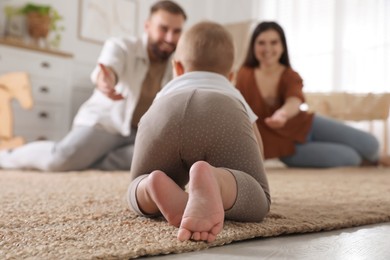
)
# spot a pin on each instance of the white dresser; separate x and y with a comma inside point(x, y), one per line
point(51, 76)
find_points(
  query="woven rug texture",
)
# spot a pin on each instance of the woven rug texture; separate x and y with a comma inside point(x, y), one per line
point(84, 215)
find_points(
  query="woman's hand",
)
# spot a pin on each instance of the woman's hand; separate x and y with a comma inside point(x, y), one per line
point(290, 109)
point(277, 120)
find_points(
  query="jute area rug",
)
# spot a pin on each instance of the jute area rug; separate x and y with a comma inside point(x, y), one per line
point(83, 215)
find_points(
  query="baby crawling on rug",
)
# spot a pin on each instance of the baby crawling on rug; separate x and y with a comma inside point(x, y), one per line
point(200, 132)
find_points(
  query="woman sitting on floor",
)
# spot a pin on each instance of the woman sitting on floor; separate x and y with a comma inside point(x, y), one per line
point(299, 139)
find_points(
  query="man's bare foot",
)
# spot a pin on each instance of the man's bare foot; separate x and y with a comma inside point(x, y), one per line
point(384, 160)
point(168, 196)
point(204, 214)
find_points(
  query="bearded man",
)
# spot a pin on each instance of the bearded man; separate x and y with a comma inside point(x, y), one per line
point(129, 73)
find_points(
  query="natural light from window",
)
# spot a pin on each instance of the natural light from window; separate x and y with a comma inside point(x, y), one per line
point(336, 45)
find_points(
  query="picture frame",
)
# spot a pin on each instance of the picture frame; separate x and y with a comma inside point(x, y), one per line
point(16, 27)
point(101, 19)
point(12, 23)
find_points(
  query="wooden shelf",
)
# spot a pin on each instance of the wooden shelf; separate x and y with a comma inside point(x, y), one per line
point(20, 44)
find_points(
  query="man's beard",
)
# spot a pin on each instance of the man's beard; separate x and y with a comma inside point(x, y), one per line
point(159, 54)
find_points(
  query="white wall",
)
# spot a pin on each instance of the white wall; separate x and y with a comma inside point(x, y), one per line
point(223, 11)
point(85, 53)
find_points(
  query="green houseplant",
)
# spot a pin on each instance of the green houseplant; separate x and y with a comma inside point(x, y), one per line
point(42, 19)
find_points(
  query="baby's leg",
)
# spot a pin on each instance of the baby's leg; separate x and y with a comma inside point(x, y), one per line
point(168, 197)
point(153, 194)
point(225, 139)
point(158, 175)
point(211, 191)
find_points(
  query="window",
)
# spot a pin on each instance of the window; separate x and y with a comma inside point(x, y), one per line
point(336, 45)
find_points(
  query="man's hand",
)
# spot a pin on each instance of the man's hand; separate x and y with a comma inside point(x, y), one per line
point(277, 120)
point(106, 81)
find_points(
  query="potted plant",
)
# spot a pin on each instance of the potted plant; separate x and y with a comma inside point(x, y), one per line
point(42, 19)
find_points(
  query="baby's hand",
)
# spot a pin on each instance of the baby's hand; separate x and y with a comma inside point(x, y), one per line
point(277, 120)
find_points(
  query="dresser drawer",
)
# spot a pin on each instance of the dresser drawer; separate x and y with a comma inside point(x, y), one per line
point(49, 116)
point(12, 59)
point(45, 91)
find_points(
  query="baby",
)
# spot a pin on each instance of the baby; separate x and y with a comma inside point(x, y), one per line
point(200, 133)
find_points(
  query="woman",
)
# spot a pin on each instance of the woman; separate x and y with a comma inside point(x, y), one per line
point(299, 139)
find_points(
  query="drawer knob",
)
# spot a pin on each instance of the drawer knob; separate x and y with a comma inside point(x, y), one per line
point(44, 89)
point(43, 114)
point(45, 65)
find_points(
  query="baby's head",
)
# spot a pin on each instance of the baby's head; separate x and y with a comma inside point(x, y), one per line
point(206, 46)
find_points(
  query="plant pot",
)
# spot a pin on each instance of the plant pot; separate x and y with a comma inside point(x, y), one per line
point(38, 25)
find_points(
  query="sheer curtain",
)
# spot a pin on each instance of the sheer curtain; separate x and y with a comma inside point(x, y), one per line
point(336, 45)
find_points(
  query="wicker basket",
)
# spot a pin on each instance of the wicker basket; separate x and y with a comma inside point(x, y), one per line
point(38, 25)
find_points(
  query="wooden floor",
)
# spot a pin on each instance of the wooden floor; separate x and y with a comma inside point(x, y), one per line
point(366, 242)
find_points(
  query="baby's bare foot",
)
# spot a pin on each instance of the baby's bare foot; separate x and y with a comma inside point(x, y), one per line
point(168, 196)
point(204, 214)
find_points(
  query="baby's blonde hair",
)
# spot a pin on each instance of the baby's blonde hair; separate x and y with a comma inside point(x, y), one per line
point(206, 46)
